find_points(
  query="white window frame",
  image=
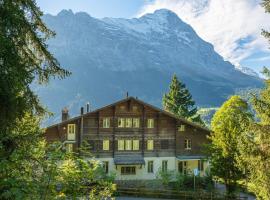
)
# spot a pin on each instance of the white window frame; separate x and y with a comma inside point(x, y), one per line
point(181, 128)
point(121, 145)
point(128, 145)
point(150, 123)
point(106, 122)
point(187, 144)
point(69, 147)
point(71, 131)
point(136, 122)
point(150, 145)
point(135, 145)
point(128, 122)
point(121, 122)
point(106, 145)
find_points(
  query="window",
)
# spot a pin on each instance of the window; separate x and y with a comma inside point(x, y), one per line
point(150, 167)
point(71, 131)
point(164, 165)
point(106, 122)
point(180, 167)
point(136, 145)
point(106, 145)
point(150, 144)
point(200, 165)
point(106, 166)
point(150, 123)
point(121, 145)
point(128, 122)
point(128, 170)
point(164, 144)
point(187, 144)
point(136, 122)
point(69, 147)
point(121, 122)
point(128, 144)
point(181, 128)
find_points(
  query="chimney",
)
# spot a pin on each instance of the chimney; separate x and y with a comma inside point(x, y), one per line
point(81, 110)
point(127, 94)
point(88, 107)
point(65, 114)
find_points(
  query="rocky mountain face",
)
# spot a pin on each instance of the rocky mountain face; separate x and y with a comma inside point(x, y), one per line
point(110, 56)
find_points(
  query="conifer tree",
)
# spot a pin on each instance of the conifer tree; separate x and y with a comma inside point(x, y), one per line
point(179, 101)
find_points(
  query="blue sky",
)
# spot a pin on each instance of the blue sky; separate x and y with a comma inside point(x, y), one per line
point(232, 26)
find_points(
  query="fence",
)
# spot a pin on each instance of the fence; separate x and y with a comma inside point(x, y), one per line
point(174, 194)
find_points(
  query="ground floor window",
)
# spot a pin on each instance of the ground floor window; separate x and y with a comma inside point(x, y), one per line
point(182, 167)
point(164, 165)
point(106, 166)
point(128, 170)
point(200, 165)
point(150, 167)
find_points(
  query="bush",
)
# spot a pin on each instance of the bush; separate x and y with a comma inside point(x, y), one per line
point(165, 176)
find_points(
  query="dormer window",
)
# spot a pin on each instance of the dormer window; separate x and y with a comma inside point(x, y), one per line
point(71, 131)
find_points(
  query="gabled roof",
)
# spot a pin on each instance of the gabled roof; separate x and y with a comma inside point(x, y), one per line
point(140, 102)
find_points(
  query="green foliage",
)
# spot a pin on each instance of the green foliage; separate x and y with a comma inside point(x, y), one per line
point(228, 124)
point(179, 101)
point(254, 145)
point(165, 176)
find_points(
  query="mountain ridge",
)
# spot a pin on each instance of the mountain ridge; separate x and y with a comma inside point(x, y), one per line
point(110, 56)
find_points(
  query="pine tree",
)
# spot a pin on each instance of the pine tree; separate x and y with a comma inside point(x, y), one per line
point(179, 101)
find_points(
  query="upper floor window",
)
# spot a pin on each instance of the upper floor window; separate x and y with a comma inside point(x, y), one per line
point(136, 122)
point(71, 131)
point(187, 144)
point(128, 122)
point(150, 144)
point(150, 123)
point(106, 122)
point(121, 145)
point(128, 144)
point(106, 145)
point(121, 122)
point(164, 144)
point(181, 128)
point(136, 145)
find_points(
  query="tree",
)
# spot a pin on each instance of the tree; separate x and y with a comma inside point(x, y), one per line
point(228, 124)
point(254, 146)
point(24, 58)
point(179, 101)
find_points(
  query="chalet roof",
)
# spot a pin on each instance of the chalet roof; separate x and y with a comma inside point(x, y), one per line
point(128, 160)
point(140, 102)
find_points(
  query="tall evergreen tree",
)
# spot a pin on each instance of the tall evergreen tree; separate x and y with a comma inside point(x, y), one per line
point(179, 101)
point(228, 124)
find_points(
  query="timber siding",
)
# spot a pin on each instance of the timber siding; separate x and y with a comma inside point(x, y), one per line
point(165, 129)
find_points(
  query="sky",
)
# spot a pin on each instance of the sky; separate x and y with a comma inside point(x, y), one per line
point(232, 26)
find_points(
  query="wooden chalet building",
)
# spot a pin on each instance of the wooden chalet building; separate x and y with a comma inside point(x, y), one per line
point(134, 139)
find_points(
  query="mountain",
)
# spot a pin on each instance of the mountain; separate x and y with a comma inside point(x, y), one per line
point(110, 56)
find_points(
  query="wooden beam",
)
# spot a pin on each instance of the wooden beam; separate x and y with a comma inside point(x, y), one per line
point(113, 133)
point(98, 117)
point(143, 129)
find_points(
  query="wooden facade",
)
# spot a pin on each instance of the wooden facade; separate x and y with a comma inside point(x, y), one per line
point(168, 133)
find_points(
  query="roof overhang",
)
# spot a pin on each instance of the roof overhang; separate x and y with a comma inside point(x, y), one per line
point(193, 157)
point(129, 160)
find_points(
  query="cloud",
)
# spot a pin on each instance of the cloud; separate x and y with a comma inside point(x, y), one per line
point(232, 26)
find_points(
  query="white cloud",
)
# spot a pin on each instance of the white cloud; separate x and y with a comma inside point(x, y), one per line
point(232, 26)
